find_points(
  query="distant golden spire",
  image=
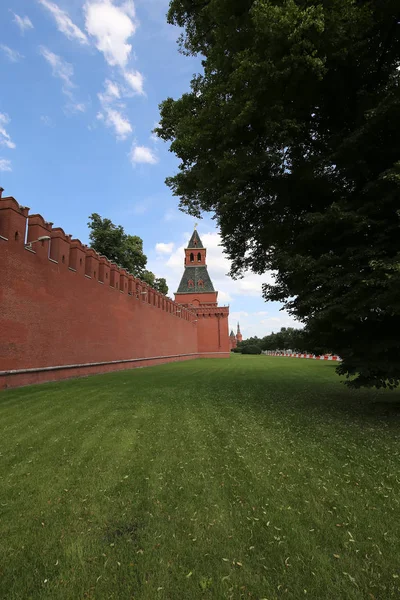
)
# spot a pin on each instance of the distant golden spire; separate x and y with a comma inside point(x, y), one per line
point(195, 225)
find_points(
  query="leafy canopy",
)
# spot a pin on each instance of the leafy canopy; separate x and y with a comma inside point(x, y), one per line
point(251, 349)
point(288, 338)
point(291, 136)
point(125, 250)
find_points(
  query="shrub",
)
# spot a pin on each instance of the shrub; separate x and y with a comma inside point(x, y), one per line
point(251, 349)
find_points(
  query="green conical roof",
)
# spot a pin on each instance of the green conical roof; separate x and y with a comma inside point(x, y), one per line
point(195, 280)
point(195, 241)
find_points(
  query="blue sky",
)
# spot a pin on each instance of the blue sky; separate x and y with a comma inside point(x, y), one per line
point(81, 85)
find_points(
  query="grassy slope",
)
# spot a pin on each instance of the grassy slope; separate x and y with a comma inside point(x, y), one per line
point(255, 477)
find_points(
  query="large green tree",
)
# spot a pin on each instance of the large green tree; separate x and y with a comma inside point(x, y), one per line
point(122, 248)
point(285, 339)
point(291, 136)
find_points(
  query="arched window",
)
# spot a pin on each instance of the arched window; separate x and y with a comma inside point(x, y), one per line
point(200, 283)
point(191, 283)
point(198, 257)
point(191, 257)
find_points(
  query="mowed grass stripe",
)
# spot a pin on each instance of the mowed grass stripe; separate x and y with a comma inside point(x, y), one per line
point(253, 477)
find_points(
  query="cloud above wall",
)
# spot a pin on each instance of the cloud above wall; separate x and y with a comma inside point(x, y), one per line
point(64, 22)
point(135, 81)
point(142, 155)
point(63, 70)
point(162, 248)
point(23, 23)
point(112, 110)
point(5, 164)
point(5, 138)
point(12, 55)
point(112, 27)
point(169, 262)
point(252, 325)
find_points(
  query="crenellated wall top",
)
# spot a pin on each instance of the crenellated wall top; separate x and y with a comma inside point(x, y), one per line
point(32, 233)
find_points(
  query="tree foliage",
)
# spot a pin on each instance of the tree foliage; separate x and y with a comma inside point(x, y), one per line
point(124, 249)
point(288, 338)
point(251, 349)
point(158, 283)
point(291, 136)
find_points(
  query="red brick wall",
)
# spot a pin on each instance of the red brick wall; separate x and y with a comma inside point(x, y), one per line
point(213, 332)
point(197, 299)
point(212, 321)
point(55, 311)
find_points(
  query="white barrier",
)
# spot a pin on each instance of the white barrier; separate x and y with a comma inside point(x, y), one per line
point(313, 356)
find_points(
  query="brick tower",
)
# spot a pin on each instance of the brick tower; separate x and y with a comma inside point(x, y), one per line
point(197, 293)
point(239, 336)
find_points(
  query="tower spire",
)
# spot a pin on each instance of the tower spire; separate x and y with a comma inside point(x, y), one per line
point(195, 279)
point(196, 292)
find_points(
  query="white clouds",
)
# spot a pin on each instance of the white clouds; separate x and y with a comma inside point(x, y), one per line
point(142, 155)
point(11, 54)
point(24, 23)
point(77, 107)
point(129, 8)
point(251, 324)
point(112, 109)
point(154, 137)
point(64, 22)
point(162, 248)
point(135, 81)
point(60, 68)
point(64, 71)
point(116, 120)
point(111, 93)
point(46, 121)
point(5, 139)
point(5, 164)
point(218, 267)
point(111, 26)
point(245, 294)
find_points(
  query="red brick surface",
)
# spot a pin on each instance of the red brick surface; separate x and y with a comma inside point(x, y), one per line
point(63, 304)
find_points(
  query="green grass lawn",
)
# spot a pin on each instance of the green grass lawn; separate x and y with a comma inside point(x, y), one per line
point(254, 477)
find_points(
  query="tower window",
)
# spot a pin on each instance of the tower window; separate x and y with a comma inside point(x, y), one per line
point(191, 257)
point(200, 283)
point(191, 283)
point(198, 257)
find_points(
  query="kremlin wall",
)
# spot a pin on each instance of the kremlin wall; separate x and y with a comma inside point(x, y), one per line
point(66, 311)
